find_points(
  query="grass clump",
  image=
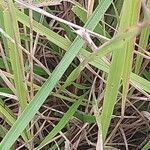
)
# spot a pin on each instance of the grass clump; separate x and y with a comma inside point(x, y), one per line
point(74, 74)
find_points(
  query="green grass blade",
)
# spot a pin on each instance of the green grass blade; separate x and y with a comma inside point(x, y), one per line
point(133, 12)
point(6, 113)
point(15, 54)
point(143, 44)
point(74, 74)
point(65, 119)
point(2, 131)
point(16, 57)
point(116, 69)
point(147, 146)
point(140, 82)
point(48, 86)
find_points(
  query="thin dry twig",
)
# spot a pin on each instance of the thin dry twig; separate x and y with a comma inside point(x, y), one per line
point(77, 27)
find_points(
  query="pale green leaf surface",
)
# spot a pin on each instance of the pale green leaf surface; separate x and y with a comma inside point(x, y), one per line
point(116, 68)
point(142, 44)
point(147, 146)
point(15, 54)
point(133, 12)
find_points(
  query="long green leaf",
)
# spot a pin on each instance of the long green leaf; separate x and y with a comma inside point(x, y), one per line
point(65, 119)
point(141, 83)
point(133, 12)
point(6, 113)
point(15, 54)
point(116, 68)
point(16, 57)
point(147, 146)
point(142, 44)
